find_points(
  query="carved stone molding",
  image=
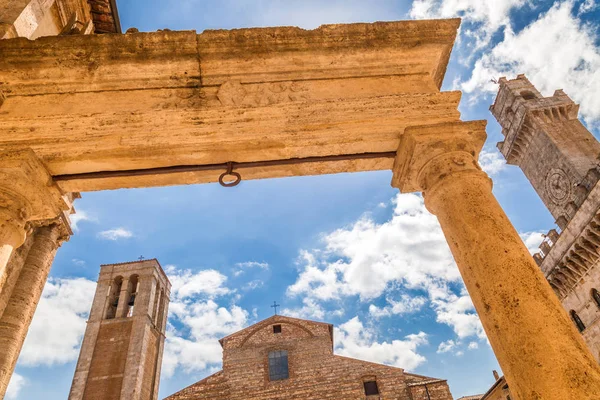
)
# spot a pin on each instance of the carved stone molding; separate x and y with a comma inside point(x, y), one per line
point(459, 143)
point(27, 191)
point(234, 93)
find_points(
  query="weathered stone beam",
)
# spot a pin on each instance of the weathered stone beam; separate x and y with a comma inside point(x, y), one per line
point(180, 59)
point(150, 129)
point(150, 100)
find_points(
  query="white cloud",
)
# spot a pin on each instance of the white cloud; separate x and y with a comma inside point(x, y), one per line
point(78, 262)
point(488, 16)
point(253, 264)
point(446, 346)
point(492, 162)
point(533, 240)
point(557, 51)
point(353, 339)
point(186, 284)
point(241, 267)
point(310, 309)
point(587, 6)
point(115, 234)
point(17, 382)
point(197, 321)
point(255, 284)
point(313, 310)
point(205, 322)
point(368, 259)
point(79, 216)
point(59, 322)
point(456, 347)
point(406, 305)
point(456, 311)
point(473, 346)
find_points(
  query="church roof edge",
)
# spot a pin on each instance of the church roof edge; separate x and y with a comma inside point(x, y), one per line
point(273, 318)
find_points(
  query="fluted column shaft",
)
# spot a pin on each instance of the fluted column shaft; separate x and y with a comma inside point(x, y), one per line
point(13, 269)
point(20, 309)
point(540, 351)
point(12, 235)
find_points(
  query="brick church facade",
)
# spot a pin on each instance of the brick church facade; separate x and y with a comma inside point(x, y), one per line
point(288, 358)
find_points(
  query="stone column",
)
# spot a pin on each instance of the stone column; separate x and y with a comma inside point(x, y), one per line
point(27, 194)
point(13, 269)
point(12, 233)
point(540, 351)
point(19, 312)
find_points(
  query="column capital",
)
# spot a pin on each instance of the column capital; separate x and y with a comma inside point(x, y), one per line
point(429, 153)
point(27, 191)
point(62, 222)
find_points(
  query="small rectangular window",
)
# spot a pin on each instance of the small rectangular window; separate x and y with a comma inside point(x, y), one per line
point(276, 328)
point(371, 388)
point(278, 365)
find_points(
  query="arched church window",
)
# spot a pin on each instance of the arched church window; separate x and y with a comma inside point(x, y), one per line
point(278, 365)
point(596, 297)
point(113, 297)
point(578, 321)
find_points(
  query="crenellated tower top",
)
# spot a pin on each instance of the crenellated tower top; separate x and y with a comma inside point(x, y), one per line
point(544, 137)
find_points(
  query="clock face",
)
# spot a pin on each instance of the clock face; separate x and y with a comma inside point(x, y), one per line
point(558, 185)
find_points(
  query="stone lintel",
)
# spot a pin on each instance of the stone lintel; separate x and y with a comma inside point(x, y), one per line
point(27, 189)
point(261, 94)
point(421, 144)
point(136, 61)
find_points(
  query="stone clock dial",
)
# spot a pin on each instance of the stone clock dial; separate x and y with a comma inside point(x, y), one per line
point(558, 185)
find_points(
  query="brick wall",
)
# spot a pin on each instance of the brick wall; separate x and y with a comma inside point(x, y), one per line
point(103, 16)
point(150, 365)
point(427, 389)
point(108, 361)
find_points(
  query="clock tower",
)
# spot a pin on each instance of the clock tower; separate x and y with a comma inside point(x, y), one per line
point(544, 137)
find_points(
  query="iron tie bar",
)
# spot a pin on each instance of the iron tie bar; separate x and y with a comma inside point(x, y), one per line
point(228, 166)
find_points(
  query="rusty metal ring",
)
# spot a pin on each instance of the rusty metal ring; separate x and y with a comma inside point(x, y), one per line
point(232, 183)
point(230, 173)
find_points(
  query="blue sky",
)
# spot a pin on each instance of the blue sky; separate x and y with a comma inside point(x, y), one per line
point(346, 249)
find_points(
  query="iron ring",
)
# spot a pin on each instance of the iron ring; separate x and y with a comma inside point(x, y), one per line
point(232, 183)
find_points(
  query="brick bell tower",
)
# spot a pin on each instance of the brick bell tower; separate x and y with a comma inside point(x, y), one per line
point(544, 137)
point(122, 349)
